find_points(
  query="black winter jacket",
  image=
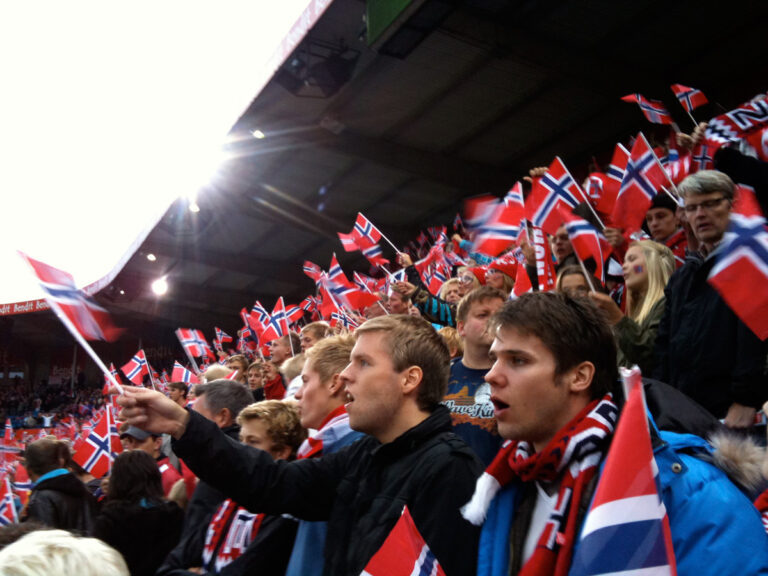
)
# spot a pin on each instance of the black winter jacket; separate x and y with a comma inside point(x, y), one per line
point(142, 534)
point(703, 349)
point(360, 490)
point(62, 502)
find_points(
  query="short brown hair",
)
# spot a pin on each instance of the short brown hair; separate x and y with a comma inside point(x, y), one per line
point(240, 359)
point(330, 356)
point(183, 388)
point(317, 330)
point(282, 420)
point(42, 456)
point(412, 341)
point(477, 295)
point(452, 339)
point(573, 330)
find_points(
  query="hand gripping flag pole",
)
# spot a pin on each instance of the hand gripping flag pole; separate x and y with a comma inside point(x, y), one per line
point(76, 333)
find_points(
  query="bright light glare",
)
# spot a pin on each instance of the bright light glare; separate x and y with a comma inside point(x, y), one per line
point(193, 207)
point(132, 126)
point(258, 134)
point(151, 257)
point(160, 286)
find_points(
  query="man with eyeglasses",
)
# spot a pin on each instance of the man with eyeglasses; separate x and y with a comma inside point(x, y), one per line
point(702, 348)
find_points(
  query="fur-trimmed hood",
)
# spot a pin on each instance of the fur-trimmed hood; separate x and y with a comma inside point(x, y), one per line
point(741, 458)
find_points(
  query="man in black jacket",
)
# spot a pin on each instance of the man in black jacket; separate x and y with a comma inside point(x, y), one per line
point(702, 347)
point(396, 378)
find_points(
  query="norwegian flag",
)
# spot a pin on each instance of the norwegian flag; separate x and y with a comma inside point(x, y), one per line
point(742, 264)
point(8, 514)
point(88, 318)
point(365, 232)
point(232, 375)
point(365, 282)
point(221, 336)
point(107, 382)
point(373, 255)
point(97, 448)
point(348, 242)
point(136, 368)
point(522, 280)
point(277, 325)
point(478, 210)
point(181, 374)
point(457, 223)
point(642, 178)
point(164, 378)
point(556, 188)
point(309, 304)
point(689, 98)
point(677, 166)
point(312, 270)
point(587, 242)
point(612, 180)
point(503, 226)
point(345, 320)
point(335, 273)
point(259, 315)
point(194, 342)
point(22, 485)
point(703, 156)
point(293, 313)
point(422, 239)
point(626, 530)
point(403, 553)
point(653, 110)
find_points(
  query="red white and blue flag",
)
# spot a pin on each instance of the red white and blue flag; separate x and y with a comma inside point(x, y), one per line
point(373, 255)
point(97, 448)
point(88, 318)
point(277, 324)
point(312, 270)
point(626, 530)
point(477, 211)
point(653, 110)
point(107, 382)
point(221, 338)
point(742, 264)
point(365, 232)
point(348, 242)
point(181, 374)
point(404, 553)
point(8, 514)
point(555, 188)
point(136, 368)
point(194, 342)
point(587, 242)
point(689, 98)
point(643, 177)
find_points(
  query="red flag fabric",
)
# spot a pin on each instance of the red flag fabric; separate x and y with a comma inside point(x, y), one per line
point(194, 342)
point(545, 265)
point(403, 553)
point(643, 177)
point(181, 374)
point(7, 509)
point(742, 264)
point(612, 180)
point(689, 98)
point(587, 242)
point(365, 232)
point(95, 451)
point(348, 242)
point(136, 368)
point(626, 530)
point(312, 270)
point(556, 188)
point(89, 319)
point(107, 382)
point(653, 110)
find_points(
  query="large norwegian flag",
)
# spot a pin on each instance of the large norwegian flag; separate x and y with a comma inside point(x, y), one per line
point(555, 188)
point(626, 530)
point(742, 265)
point(689, 98)
point(503, 225)
point(181, 374)
point(643, 177)
point(194, 342)
point(404, 553)
point(365, 232)
point(136, 368)
point(8, 514)
point(95, 451)
point(653, 110)
point(89, 319)
point(587, 242)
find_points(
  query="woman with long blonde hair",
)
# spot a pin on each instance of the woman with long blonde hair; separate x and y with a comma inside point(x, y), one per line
point(647, 268)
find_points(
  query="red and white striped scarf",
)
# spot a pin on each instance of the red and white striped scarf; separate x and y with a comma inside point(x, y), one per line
point(573, 457)
point(337, 421)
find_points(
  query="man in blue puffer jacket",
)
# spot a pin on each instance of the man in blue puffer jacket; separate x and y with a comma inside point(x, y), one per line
point(553, 371)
